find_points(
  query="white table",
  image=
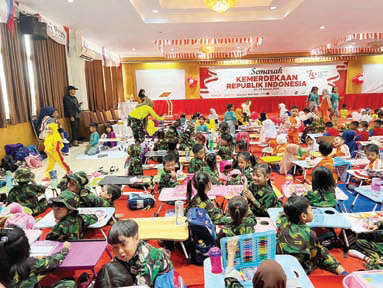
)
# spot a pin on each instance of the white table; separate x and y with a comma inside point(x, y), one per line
point(367, 192)
point(306, 166)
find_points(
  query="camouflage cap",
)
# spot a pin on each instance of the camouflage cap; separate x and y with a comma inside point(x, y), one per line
point(24, 175)
point(68, 198)
point(80, 178)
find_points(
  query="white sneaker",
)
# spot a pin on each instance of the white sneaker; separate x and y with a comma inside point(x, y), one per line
point(65, 141)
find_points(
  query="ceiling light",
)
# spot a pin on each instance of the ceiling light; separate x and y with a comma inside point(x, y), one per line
point(207, 49)
point(70, 1)
point(171, 49)
point(273, 7)
point(220, 6)
point(238, 47)
point(322, 27)
point(133, 49)
point(155, 11)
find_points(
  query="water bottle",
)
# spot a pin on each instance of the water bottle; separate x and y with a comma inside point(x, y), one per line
point(211, 143)
point(375, 187)
point(187, 154)
point(179, 205)
point(8, 179)
point(215, 260)
point(53, 177)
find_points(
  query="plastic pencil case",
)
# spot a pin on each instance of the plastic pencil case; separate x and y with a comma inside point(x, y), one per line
point(364, 279)
point(252, 250)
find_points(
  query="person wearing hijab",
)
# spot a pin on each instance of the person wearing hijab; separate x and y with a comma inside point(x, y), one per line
point(282, 110)
point(48, 114)
point(230, 118)
point(268, 132)
point(213, 115)
point(350, 137)
point(53, 145)
point(292, 150)
point(269, 273)
point(238, 115)
point(145, 101)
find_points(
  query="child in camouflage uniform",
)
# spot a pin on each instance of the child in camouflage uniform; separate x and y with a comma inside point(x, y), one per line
point(160, 145)
point(239, 146)
point(26, 193)
point(143, 261)
point(323, 188)
point(77, 183)
point(168, 177)
point(201, 182)
point(297, 239)
point(70, 225)
point(186, 139)
point(18, 269)
point(245, 163)
point(242, 220)
point(211, 168)
point(260, 193)
point(133, 162)
point(171, 134)
point(226, 147)
point(197, 163)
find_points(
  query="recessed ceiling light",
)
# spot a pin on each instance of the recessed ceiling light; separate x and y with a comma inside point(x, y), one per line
point(133, 49)
point(155, 11)
point(171, 49)
point(238, 47)
point(70, 1)
point(273, 7)
point(322, 27)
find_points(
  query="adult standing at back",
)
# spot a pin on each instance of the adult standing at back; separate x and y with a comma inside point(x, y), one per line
point(72, 110)
point(230, 119)
point(246, 107)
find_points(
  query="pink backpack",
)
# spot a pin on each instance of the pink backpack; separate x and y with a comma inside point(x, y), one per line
point(23, 220)
point(33, 161)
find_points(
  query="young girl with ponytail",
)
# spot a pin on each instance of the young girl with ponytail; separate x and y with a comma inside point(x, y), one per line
point(202, 184)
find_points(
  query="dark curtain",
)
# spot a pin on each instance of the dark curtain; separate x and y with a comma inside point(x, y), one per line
point(16, 78)
point(51, 74)
point(95, 85)
point(109, 97)
point(118, 86)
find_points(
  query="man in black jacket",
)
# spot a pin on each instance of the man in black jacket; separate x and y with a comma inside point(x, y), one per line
point(72, 110)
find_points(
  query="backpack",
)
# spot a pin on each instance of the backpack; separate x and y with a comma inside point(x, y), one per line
point(11, 148)
point(201, 235)
point(169, 280)
point(140, 201)
point(9, 163)
point(20, 153)
point(23, 220)
point(33, 161)
point(33, 151)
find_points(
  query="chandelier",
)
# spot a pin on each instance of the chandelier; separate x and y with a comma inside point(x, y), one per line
point(220, 6)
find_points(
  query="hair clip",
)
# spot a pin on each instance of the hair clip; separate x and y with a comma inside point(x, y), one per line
point(4, 239)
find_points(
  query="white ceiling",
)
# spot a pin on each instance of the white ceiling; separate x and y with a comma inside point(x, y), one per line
point(116, 24)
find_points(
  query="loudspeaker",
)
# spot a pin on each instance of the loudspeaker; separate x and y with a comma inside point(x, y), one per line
point(30, 25)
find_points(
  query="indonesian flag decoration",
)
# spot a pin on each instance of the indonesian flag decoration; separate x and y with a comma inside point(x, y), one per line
point(10, 16)
point(355, 43)
point(223, 47)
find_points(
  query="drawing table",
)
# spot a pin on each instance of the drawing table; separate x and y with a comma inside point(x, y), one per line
point(367, 192)
point(83, 255)
point(364, 279)
point(305, 166)
point(296, 276)
point(360, 221)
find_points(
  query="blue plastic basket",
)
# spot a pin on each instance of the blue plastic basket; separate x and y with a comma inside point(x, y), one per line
point(252, 249)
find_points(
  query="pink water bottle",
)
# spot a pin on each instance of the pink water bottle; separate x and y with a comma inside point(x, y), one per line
point(215, 260)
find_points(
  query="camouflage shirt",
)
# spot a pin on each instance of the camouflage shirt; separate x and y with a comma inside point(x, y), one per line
point(196, 165)
point(317, 199)
point(226, 152)
point(39, 268)
point(213, 175)
point(236, 180)
point(89, 199)
point(26, 195)
point(166, 181)
point(301, 242)
point(71, 227)
point(147, 263)
point(160, 145)
point(265, 198)
point(246, 227)
point(135, 167)
point(215, 213)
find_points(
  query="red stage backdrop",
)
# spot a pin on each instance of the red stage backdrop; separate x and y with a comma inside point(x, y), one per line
point(270, 80)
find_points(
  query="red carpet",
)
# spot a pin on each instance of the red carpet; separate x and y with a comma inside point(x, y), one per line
point(193, 275)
